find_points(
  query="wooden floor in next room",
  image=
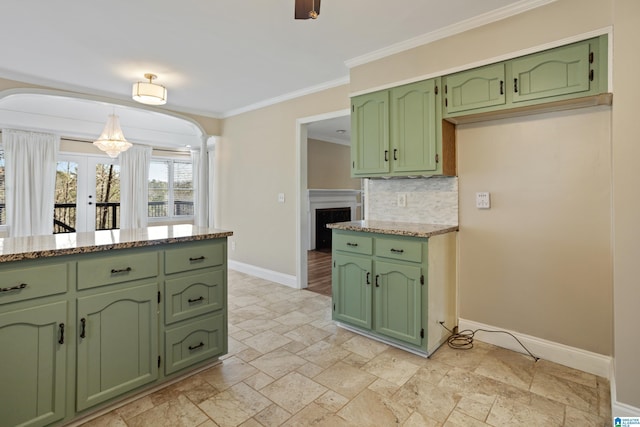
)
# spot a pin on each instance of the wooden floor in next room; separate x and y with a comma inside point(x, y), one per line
point(319, 272)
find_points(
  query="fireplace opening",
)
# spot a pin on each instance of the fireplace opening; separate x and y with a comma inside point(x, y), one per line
point(328, 216)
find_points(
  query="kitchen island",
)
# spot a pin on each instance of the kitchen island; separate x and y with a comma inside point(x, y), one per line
point(395, 282)
point(89, 319)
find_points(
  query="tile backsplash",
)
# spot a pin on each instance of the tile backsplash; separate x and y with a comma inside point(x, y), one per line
point(428, 200)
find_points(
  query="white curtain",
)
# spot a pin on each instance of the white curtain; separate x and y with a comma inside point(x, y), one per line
point(30, 181)
point(134, 187)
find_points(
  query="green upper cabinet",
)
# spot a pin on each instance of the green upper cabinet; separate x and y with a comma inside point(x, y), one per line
point(117, 343)
point(399, 132)
point(370, 134)
point(33, 359)
point(477, 88)
point(562, 71)
point(534, 81)
point(414, 127)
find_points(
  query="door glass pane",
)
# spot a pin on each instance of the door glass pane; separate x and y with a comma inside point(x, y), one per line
point(107, 196)
point(182, 188)
point(158, 189)
point(66, 197)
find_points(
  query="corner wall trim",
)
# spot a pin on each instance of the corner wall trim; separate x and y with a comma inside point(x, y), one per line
point(572, 357)
point(273, 276)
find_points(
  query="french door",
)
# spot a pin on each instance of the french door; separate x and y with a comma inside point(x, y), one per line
point(87, 194)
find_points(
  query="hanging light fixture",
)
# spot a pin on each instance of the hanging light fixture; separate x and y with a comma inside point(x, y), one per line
point(148, 92)
point(111, 140)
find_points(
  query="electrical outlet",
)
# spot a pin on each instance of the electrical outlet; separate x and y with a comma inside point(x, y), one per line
point(483, 200)
point(402, 200)
point(233, 245)
point(280, 197)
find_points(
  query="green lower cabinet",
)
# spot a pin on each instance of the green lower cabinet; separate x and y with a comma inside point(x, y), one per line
point(117, 343)
point(351, 290)
point(398, 296)
point(194, 342)
point(33, 358)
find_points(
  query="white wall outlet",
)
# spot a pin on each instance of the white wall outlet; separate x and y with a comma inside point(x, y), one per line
point(280, 197)
point(402, 200)
point(233, 245)
point(483, 200)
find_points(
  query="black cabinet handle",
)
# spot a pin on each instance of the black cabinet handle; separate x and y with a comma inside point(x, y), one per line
point(122, 270)
point(501, 87)
point(377, 284)
point(515, 85)
point(194, 347)
point(83, 328)
point(200, 258)
point(386, 155)
point(14, 288)
point(368, 278)
point(191, 301)
point(61, 327)
point(395, 154)
point(352, 244)
point(397, 251)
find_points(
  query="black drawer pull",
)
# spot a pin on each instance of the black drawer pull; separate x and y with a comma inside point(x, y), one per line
point(61, 340)
point(515, 85)
point(14, 288)
point(501, 87)
point(368, 278)
point(194, 347)
point(191, 301)
point(397, 251)
point(83, 328)
point(122, 270)
point(352, 244)
point(200, 258)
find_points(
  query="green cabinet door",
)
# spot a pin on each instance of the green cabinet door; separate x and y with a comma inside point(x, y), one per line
point(33, 365)
point(117, 343)
point(351, 290)
point(477, 88)
point(398, 308)
point(413, 127)
point(560, 71)
point(370, 133)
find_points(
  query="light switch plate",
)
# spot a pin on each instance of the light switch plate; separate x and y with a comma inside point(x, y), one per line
point(280, 197)
point(483, 200)
point(402, 200)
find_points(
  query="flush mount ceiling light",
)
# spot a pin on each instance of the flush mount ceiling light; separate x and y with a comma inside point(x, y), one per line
point(148, 92)
point(111, 140)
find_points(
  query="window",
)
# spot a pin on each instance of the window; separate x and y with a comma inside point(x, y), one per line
point(170, 189)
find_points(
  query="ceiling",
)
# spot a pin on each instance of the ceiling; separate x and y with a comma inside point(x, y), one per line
point(218, 57)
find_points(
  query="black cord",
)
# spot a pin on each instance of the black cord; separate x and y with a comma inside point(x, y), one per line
point(463, 340)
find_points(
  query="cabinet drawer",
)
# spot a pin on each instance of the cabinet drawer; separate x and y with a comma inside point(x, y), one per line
point(195, 342)
point(107, 270)
point(194, 256)
point(399, 249)
point(350, 243)
point(193, 295)
point(32, 282)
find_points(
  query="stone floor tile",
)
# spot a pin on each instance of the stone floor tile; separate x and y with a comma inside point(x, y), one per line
point(178, 412)
point(134, 408)
point(460, 419)
point(332, 401)
point(306, 391)
point(372, 409)
point(391, 368)
point(266, 341)
point(228, 373)
point(234, 406)
point(278, 363)
point(317, 416)
point(272, 416)
point(511, 412)
point(345, 379)
point(565, 391)
point(110, 419)
point(365, 347)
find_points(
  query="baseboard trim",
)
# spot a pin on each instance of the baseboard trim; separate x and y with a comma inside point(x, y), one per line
point(273, 276)
point(572, 357)
point(619, 409)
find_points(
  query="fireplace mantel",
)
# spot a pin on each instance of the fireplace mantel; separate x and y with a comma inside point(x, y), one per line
point(329, 198)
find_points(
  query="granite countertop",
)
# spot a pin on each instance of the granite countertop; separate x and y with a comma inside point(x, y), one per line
point(395, 228)
point(33, 247)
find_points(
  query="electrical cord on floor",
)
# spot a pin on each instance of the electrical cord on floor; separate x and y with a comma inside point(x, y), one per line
point(463, 340)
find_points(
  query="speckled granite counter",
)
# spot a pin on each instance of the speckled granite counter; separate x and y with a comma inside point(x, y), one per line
point(395, 228)
point(33, 247)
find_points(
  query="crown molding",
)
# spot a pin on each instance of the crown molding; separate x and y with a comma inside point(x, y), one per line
point(457, 28)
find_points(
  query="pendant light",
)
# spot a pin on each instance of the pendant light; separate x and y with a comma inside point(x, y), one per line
point(112, 140)
point(148, 92)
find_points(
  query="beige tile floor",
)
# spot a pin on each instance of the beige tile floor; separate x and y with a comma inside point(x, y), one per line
point(289, 365)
